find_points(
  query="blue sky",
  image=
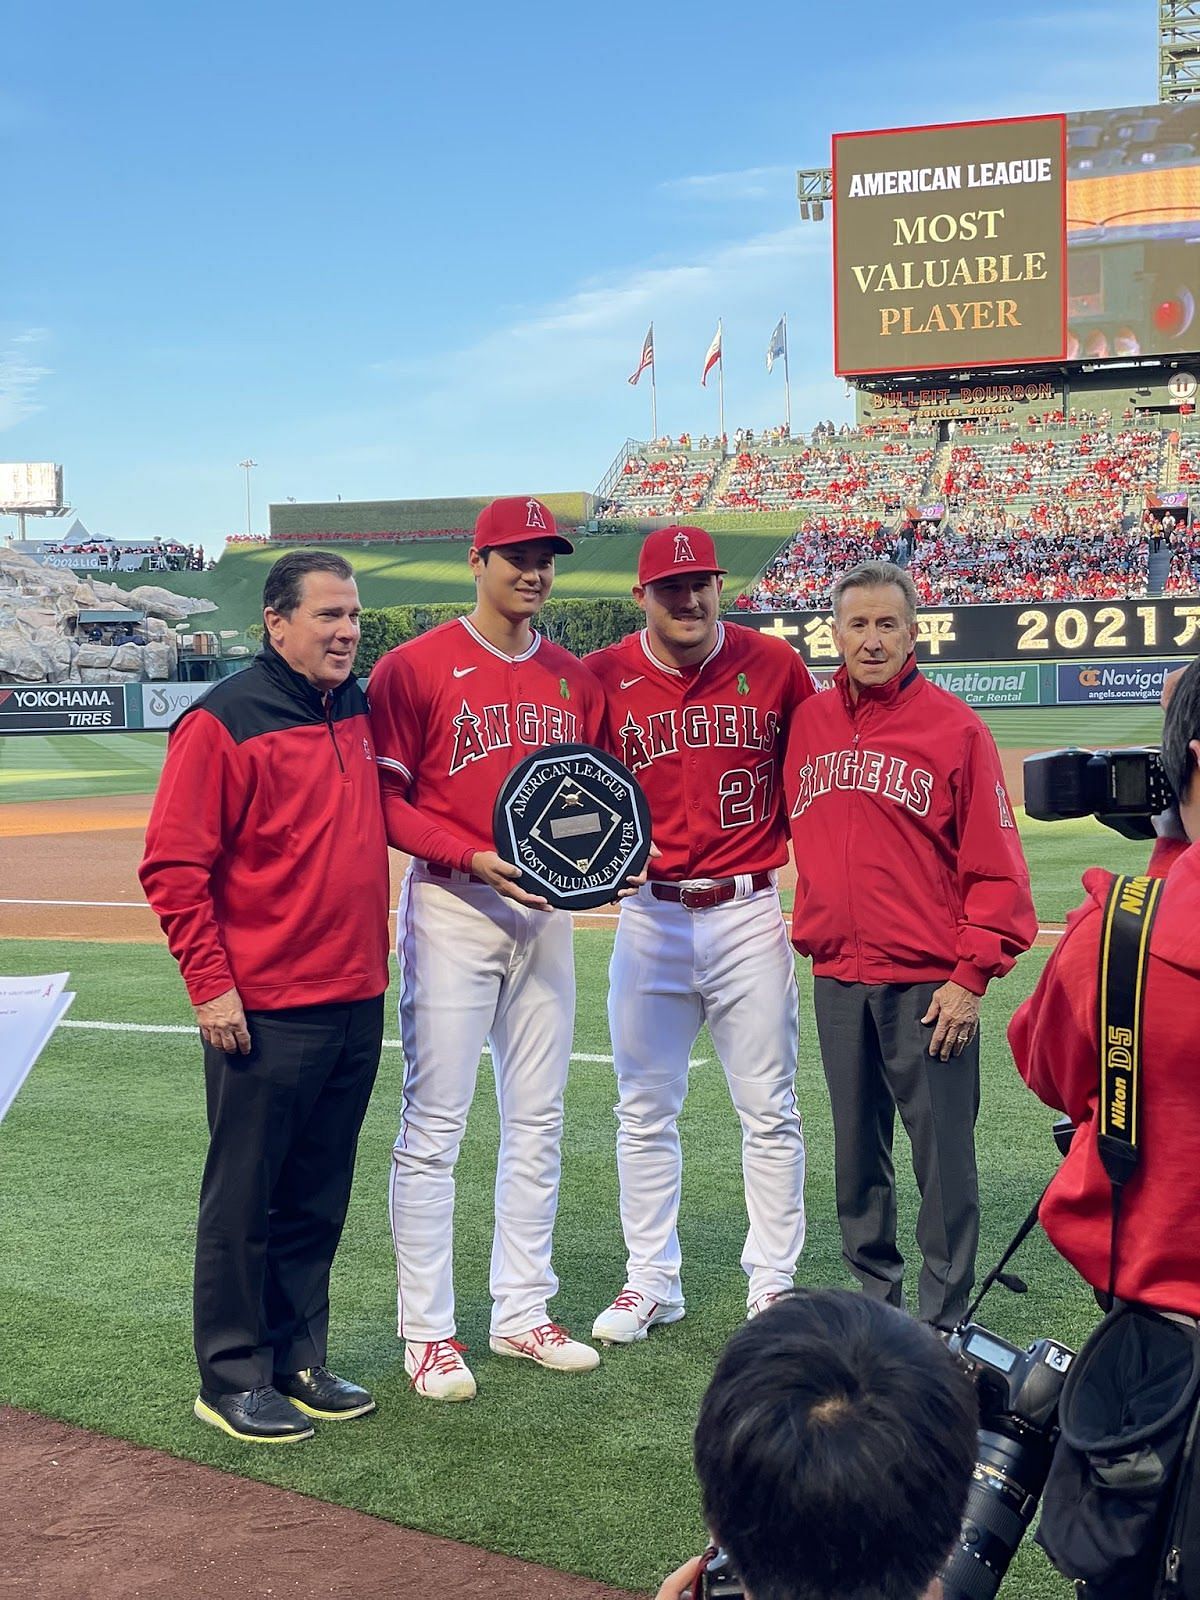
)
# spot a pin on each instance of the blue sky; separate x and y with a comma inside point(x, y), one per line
point(393, 251)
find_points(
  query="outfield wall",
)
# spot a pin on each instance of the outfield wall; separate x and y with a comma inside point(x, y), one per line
point(117, 708)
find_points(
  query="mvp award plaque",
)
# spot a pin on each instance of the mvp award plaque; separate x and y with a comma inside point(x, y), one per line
point(576, 822)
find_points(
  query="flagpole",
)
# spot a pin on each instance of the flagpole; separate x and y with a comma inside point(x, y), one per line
point(721, 377)
point(653, 390)
point(787, 382)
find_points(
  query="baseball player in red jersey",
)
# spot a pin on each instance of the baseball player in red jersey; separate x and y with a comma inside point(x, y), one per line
point(698, 709)
point(481, 959)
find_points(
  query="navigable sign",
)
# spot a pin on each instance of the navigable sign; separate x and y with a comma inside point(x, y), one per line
point(30, 1010)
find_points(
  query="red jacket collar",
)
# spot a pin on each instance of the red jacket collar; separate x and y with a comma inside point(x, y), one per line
point(885, 695)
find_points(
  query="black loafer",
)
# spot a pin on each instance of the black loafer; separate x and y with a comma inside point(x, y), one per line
point(321, 1393)
point(255, 1416)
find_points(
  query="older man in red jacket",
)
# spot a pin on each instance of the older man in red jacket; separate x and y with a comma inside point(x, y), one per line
point(912, 894)
point(1055, 1044)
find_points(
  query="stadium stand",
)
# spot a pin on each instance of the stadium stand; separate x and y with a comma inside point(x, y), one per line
point(1051, 517)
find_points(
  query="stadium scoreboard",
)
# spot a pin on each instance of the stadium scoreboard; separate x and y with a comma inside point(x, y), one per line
point(950, 246)
point(978, 246)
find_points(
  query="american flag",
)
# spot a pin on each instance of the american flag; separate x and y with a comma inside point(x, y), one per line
point(647, 357)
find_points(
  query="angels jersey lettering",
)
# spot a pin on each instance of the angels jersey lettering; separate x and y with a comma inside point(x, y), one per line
point(706, 745)
point(452, 716)
point(893, 777)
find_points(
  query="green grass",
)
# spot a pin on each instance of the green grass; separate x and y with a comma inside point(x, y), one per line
point(70, 766)
point(402, 574)
point(99, 1165)
point(1053, 727)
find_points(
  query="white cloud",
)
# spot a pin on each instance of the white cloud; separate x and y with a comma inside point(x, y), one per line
point(19, 379)
point(751, 183)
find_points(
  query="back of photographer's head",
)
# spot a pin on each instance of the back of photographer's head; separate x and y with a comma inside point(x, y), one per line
point(1181, 748)
point(834, 1450)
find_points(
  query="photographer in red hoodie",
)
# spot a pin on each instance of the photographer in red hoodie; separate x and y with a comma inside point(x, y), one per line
point(912, 894)
point(1054, 1042)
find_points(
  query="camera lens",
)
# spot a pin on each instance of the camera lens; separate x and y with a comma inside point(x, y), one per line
point(1010, 1473)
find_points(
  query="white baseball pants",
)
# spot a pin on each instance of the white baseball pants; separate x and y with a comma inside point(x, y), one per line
point(672, 970)
point(476, 967)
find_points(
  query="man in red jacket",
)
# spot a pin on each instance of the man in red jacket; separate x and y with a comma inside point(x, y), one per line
point(912, 893)
point(267, 865)
point(1055, 1045)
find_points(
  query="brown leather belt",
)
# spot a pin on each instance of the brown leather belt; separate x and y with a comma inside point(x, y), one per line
point(713, 894)
point(450, 874)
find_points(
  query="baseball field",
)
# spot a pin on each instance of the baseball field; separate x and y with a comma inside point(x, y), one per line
point(101, 1154)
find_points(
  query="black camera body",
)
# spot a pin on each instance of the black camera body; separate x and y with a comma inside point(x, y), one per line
point(1018, 1414)
point(1123, 789)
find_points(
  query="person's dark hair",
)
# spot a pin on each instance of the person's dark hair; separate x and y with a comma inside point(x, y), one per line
point(873, 575)
point(834, 1450)
point(281, 592)
point(1181, 726)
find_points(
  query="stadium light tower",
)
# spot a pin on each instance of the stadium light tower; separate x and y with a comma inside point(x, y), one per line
point(814, 188)
point(247, 464)
point(1178, 49)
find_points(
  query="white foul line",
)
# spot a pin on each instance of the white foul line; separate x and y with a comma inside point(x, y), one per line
point(388, 1044)
point(141, 905)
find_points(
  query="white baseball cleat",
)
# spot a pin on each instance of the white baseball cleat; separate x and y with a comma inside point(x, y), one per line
point(437, 1369)
point(757, 1307)
point(632, 1315)
point(550, 1346)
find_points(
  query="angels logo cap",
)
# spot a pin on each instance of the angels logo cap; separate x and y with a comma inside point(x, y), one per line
point(518, 519)
point(668, 552)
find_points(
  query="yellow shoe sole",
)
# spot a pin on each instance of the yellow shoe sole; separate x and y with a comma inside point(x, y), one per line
point(205, 1413)
point(329, 1416)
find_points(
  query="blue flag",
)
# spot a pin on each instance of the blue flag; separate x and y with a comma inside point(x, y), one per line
point(777, 346)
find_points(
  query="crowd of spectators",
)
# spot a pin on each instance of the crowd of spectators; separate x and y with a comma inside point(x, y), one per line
point(661, 486)
point(1090, 465)
point(162, 555)
point(830, 474)
point(1053, 553)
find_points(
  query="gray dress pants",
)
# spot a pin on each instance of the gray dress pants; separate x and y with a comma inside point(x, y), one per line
point(876, 1058)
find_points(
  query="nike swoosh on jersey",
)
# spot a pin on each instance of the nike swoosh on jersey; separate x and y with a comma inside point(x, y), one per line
point(461, 672)
point(628, 683)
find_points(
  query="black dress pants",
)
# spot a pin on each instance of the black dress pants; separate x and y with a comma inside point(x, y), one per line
point(284, 1124)
point(876, 1058)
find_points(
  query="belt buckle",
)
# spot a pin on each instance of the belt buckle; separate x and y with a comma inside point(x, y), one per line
point(693, 893)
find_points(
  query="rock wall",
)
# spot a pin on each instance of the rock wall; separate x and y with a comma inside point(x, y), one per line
point(39, 607)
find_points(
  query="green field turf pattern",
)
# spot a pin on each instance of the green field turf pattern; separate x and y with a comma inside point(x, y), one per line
point(406, 574)
point(99, 1166)
point(73, 766)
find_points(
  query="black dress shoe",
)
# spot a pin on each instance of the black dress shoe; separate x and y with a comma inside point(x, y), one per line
point(321, 1393)
point(255, 1416)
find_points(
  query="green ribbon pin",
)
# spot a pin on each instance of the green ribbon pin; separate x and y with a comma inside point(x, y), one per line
point(743, 684)
point(564, 688)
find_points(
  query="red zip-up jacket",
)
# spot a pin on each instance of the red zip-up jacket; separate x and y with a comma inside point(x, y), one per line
point(1054, 1039)
point(908, 861)
point(265, 858)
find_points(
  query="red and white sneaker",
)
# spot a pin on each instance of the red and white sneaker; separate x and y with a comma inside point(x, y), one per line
point(757, 1307)
point(437, 1369)
point(550, 1346)
point(632, 1315)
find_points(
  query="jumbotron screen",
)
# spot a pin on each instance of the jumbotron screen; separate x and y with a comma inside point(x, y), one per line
point(1000, 244)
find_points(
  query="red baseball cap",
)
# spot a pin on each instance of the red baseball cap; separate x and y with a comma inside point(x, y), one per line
point(517, 519)
point(668, 552)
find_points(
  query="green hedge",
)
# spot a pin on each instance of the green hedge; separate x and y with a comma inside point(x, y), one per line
point(577, 625)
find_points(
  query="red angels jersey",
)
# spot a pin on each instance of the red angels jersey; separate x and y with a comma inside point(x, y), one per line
point(452, 715)
point(706, 744)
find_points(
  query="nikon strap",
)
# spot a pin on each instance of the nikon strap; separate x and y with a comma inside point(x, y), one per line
point(1129, 915)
